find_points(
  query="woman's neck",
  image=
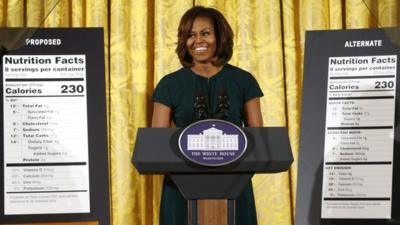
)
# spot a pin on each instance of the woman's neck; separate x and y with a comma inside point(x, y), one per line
point(206, 70)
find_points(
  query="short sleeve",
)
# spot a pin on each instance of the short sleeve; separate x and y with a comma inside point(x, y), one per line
point(252, 89)
point(162, 93)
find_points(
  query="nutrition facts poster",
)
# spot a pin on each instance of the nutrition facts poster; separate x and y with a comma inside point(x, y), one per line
point(54, 159)
point(349, 158)
point(45, 134)
point(359, 132)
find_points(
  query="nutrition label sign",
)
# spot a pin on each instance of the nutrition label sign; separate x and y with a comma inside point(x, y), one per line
point(359, 137)
point(46, 160)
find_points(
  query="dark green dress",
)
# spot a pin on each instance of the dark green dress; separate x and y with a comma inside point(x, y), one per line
point(178, 91)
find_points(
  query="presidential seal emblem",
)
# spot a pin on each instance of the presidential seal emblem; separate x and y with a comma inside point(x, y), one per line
point(212, 142)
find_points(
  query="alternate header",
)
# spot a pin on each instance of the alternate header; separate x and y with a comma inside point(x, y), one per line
point(363, 43)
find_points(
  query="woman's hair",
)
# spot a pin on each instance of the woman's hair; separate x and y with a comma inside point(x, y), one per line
point(223, 34)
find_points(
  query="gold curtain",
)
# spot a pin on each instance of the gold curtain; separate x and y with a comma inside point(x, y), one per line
point(140, 38)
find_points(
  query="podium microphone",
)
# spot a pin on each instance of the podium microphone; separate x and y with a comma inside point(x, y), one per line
point(200, 105)
point(223, 105)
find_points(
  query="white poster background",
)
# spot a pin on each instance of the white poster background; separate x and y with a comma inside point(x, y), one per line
point(358, 152)
point(46, 166)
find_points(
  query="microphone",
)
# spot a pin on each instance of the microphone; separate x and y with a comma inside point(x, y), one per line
point(202, 110)
point(200, 105)
point(223, 105)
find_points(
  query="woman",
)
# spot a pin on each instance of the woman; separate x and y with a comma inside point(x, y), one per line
point(206, 87)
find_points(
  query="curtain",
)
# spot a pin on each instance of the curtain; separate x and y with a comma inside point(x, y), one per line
point(140, 39)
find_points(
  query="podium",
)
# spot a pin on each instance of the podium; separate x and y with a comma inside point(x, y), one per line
point(156, 151)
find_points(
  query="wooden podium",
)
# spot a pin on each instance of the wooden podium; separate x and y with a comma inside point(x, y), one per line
point(211, 191)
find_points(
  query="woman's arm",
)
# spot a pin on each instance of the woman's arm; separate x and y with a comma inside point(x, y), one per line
point(252, 113)
point(161, 115)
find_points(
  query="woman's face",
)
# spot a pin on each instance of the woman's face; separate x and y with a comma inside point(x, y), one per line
point(202, 42)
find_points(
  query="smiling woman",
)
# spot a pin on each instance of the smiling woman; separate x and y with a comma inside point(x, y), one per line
point(207, 87)
point(202, 43)
point(207, 25)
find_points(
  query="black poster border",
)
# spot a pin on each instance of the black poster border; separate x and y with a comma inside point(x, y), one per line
point(319, 46)
point(89, 42)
